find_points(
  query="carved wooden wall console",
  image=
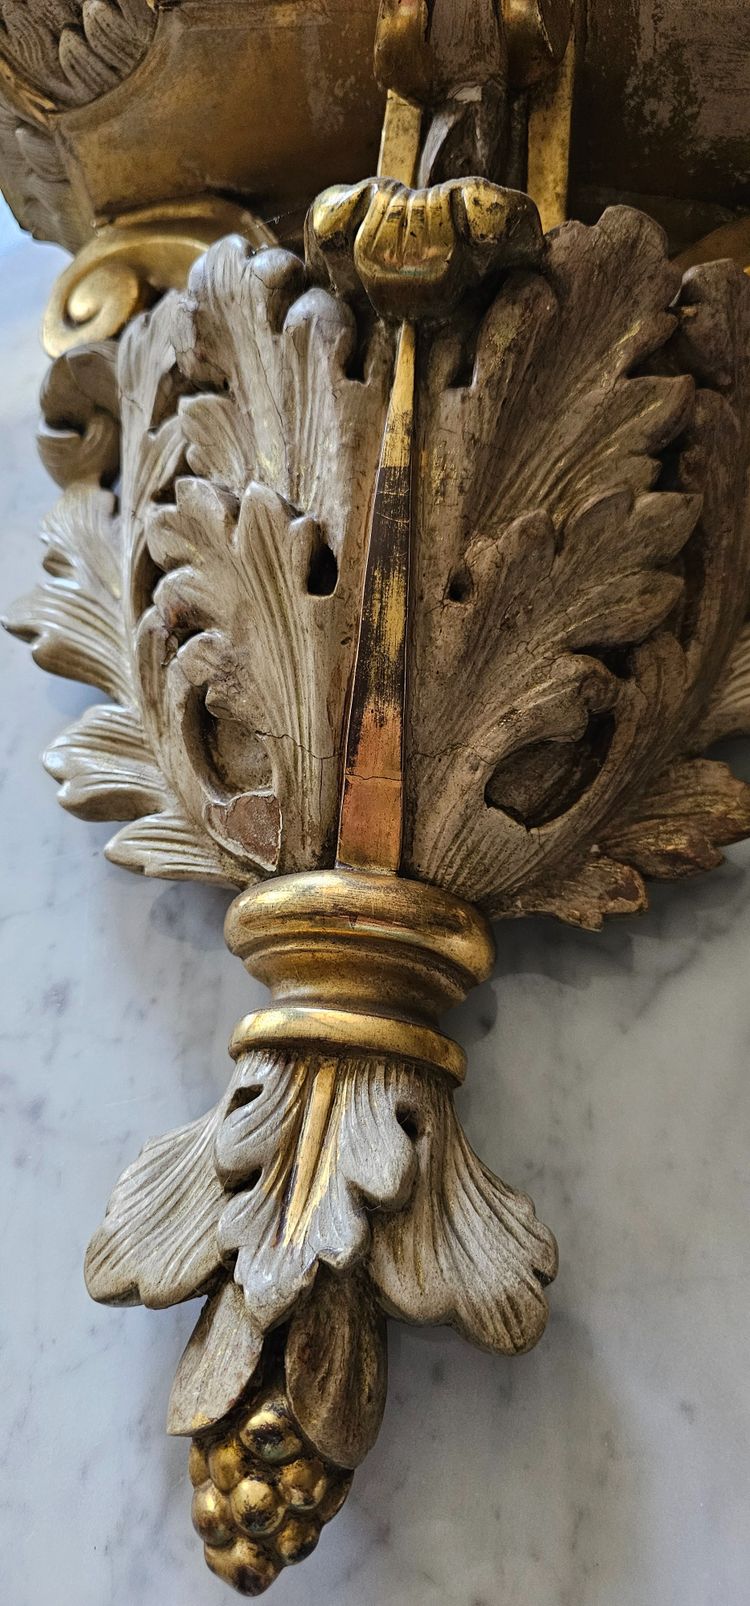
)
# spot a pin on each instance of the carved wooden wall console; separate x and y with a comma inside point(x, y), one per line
point(405, 528)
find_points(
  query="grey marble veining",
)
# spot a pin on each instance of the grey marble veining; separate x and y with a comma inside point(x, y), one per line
point(608, 1075)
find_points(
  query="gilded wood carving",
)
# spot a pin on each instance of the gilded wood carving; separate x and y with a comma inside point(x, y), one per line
point(414, 571)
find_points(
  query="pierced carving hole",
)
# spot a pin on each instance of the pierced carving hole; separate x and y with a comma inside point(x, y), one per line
point(544, 780)
point(463, 374)
point(172, 386)
point(182, 634)
point(246, 1184)
point(355, 369)
point(245, 1096)
point(618, 660)
point(323, 573)
point(409, 1123)
point(223, 751)
point(459, 586)
point(178, 638)
point(146, 577)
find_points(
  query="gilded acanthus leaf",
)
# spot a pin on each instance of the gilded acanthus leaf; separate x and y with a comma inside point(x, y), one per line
point(585, 895)
point(581, 571)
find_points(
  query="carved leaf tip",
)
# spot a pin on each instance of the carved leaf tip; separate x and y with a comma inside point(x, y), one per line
point(394, 1187)
point(336, 1366)
point(217, 1364)
point(156, 1245)
point(73, 620)
point(468, 1251)
point(286, 1212)
point(691, 811)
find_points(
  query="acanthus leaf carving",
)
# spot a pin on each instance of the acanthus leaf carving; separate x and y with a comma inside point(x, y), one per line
point(79, 625)
point(682, 820)
point(229, 656)
point(340, 1120)
point(469, 1251)
point(579, 553)
point(585, 596)
point(74, 621)
point(156, 1245)
point(245, 653)
point(584, 896)
point(227, 1192)
point(580, 528)
point(261, 651)
point(104, 766)
point(75, 50)
point(79, 436)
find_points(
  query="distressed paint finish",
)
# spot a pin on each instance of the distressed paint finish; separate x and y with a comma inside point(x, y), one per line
point(552, 593)
point(370, 829)
point(398, 632)
point(661, 110)
point(661, 97)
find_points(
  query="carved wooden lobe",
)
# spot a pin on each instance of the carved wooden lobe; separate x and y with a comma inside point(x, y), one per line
point(416, 576)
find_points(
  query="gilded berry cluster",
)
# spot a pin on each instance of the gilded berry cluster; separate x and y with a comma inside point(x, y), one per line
point(262, 1494)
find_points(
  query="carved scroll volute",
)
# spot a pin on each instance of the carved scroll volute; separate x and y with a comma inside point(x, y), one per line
point(424, 593)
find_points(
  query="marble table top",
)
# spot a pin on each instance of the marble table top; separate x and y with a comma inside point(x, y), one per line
point(608, 1076)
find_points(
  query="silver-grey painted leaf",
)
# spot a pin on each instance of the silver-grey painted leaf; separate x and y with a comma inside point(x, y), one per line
point(217, 1364)
point(468, 1250)
point(157, 1243)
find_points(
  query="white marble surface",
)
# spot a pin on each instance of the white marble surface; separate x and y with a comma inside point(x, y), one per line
point(609, 1075)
